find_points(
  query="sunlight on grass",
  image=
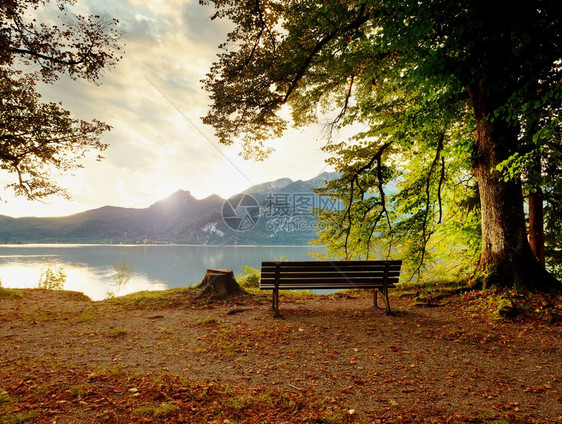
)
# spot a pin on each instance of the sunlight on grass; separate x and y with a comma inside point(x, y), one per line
point(118, 332)
point(8, 293)
point(209, 320)
point(154, 299)
point(162, 410)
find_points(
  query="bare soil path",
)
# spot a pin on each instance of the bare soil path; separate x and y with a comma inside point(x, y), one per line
point(334, 355)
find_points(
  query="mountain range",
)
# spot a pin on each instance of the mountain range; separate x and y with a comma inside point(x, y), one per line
point(275, 212)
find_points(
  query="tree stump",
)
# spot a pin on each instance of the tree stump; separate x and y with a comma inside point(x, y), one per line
point(219, 284)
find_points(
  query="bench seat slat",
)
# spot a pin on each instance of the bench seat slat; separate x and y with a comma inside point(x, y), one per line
point(326, 274)
point(319, 264)
point(331, 267)
point(315, 278)
point(353, 271)
point(327, 286)
point(343, 281)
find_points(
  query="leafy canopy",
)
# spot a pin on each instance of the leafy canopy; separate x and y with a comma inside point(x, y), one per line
point(317, 56)
point(36, 137)
point(418, 77)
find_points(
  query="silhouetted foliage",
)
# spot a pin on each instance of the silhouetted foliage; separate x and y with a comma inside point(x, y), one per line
point(36, 137)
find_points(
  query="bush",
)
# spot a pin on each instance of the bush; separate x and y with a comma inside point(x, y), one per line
point(123, 271)
point(52, 278)
point(250, 279)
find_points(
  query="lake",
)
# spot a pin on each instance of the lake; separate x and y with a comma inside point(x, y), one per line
point(91, 269)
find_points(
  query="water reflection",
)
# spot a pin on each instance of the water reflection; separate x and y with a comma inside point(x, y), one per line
point(90, 268)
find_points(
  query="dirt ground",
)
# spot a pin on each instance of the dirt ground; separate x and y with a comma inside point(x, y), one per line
point(449, 363)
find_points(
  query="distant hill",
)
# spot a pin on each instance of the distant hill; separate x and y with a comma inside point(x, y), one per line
point(276, 212)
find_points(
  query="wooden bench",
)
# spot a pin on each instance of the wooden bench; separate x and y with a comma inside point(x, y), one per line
point(377, 275)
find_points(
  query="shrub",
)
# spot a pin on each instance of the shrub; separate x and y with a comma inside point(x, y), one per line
point(123, 271)
point(250, 279)
point(52, 278)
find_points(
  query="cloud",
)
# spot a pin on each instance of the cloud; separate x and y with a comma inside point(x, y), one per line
point(153, 99)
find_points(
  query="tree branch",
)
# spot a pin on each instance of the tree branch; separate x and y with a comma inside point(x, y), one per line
point(343, 110)
point(425, 235)
point(356, 24)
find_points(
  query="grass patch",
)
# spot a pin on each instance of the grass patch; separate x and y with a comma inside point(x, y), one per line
point(208, 320)
point(78, 391)
point(162, 410)
point(118, 332)
point(177, 298)
point(4, 396)
point(429, 292)
point(500, 304)
point(8, 293)
point(85, 317)
point(154, 300)
point(9, 413)
point(19, 418)
point(74, 295)
point(295, 293)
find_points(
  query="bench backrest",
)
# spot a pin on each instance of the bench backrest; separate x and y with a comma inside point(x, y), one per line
point(329, 274)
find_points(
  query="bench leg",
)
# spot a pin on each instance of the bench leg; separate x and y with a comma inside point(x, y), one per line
point(276, 314)
point(386, 301)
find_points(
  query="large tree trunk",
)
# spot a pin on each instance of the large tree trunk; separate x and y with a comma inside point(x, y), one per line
point(536, 209)
point(536, 225)
point(506, 258)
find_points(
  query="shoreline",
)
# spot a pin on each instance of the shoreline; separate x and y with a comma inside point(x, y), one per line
point(8, 245)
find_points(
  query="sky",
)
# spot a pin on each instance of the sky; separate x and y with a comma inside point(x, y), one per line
point(154, 101)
